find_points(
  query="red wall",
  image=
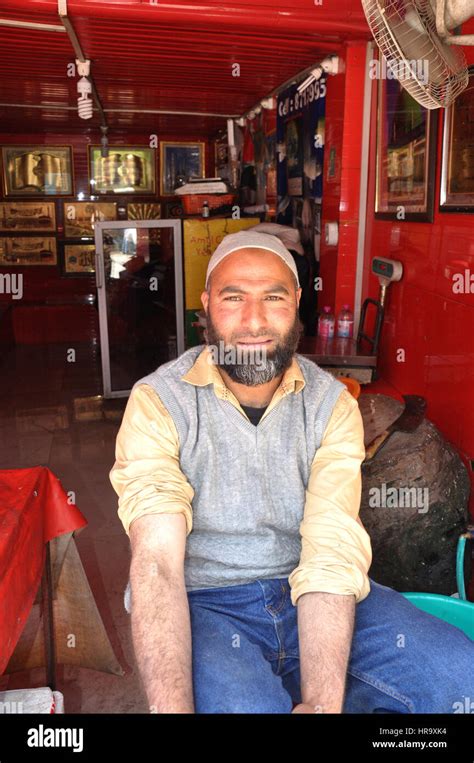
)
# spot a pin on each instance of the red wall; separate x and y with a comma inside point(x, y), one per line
point(434, 326)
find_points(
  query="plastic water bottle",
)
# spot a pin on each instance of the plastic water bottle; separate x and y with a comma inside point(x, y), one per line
point(326, 323)
point(345, 322)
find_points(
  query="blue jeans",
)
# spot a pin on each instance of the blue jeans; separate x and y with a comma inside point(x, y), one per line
point(402, 660)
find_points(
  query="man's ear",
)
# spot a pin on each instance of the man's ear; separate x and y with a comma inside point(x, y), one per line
point(205, 300)
point(298, 296)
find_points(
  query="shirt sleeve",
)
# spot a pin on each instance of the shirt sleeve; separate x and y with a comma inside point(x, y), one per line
point(336, 551)
point(146, 474)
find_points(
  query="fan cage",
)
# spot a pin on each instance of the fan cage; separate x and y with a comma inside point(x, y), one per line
point(437, 73)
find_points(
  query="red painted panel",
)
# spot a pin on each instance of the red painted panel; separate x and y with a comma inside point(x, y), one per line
point(425, 318)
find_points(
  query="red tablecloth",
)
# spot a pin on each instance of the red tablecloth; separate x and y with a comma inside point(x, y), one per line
point(33, 509)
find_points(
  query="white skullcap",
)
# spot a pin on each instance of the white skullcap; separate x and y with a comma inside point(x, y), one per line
point(246, 239)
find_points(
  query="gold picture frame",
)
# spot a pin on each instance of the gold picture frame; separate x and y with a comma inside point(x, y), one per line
point(37, 171)
point(457, 168)
point(126, 169)
point(32, 216)
point(80, 216)
point(405, 155)
point(79, 259)
point(32, 250)
point(179, 161)
point(144, 211)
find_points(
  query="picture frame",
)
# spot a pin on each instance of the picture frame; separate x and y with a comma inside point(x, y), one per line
point(126, 169)
point(79, 216)
point(405, 155)
point(19, 251)
point(222, 158)
point(144, 211)
point(32, 216)
point(457, 165)
point(78, 259)
point(37, 171)
point(179, 161)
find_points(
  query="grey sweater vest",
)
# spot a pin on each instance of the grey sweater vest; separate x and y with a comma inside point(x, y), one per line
point(249, 481)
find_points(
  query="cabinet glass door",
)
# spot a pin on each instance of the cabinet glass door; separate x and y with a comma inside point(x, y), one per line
point(140, 293)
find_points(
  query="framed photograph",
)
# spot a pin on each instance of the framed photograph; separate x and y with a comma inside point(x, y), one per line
point(406, 155)
point(222, 159)
point(144, 211)
point(178, 163)
point(80, 216)
point(40, 250)
point(457, 169)
point(31, 216)
point(126, 169)
point(78, 259)
point(37, 170)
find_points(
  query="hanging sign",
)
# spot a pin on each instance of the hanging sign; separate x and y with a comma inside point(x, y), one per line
point(300, 140)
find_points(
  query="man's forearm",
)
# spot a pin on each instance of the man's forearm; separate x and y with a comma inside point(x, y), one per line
point(325, 628)
point(161, 633)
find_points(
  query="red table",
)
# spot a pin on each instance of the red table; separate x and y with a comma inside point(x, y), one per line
point(34, 508)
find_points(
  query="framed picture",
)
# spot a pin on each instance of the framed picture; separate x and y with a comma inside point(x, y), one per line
point(457, 169)
point(222, 159)
point(178, 163)
point(80, 216)
point(144, 211)
point(78, 259)
point(406, 155)
point(126, 169)
point(33, 216)
point(37, 170)
point(40, 250)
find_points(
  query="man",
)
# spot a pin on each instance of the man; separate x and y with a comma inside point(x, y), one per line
point(238, 474)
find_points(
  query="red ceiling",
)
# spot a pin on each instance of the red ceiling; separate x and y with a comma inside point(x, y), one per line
point(171, 56)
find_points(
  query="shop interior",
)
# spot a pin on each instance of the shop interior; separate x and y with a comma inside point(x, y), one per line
point(134, 136)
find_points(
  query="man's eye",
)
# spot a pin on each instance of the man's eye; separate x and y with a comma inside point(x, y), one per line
point(274, 297)
point(232, 298)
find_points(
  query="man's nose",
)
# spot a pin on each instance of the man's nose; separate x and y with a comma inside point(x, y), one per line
point(253, 315)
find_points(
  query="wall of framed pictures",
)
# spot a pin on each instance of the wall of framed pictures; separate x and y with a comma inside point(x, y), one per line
point(52, 195)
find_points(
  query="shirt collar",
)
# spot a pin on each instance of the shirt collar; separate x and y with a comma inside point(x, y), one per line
point(204, 371)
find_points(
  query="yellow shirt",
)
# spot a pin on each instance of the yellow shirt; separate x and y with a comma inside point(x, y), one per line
point(335, 548)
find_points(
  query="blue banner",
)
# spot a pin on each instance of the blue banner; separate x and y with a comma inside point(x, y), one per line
point(300, 138)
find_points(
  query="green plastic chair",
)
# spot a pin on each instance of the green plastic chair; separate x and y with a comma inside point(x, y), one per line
point(458, 612)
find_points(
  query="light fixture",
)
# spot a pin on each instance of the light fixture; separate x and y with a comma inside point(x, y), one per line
point(329, 65)
point(84, 88)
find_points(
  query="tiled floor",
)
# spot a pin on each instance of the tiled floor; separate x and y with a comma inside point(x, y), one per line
point(52, 413)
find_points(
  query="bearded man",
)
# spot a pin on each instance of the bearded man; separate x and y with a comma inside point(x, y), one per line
point(238, 474)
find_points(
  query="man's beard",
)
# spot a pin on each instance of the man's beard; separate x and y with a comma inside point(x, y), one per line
point(246, 366)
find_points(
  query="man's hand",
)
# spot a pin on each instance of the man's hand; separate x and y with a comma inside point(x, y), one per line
point(304, 708)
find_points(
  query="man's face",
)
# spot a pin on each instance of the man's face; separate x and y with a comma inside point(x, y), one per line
point(252, 309)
